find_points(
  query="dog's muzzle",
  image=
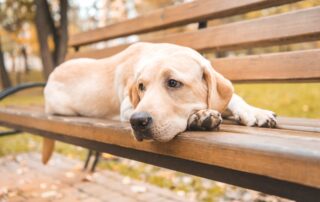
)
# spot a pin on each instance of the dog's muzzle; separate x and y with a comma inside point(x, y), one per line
point(141, 123)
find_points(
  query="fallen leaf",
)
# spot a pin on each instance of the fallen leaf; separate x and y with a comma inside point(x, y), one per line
point(138, 189)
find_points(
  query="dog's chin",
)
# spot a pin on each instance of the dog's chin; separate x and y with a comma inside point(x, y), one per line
point(164, 138)
point(166, 135)
point(158, 137)
point(141, 136)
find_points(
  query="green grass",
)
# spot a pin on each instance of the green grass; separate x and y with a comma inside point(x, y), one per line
point(18, 143)
point(293, 100)
point(32, 76)
point(25, 98)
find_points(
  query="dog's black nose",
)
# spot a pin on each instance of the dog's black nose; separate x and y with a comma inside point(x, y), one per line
point(140, 121)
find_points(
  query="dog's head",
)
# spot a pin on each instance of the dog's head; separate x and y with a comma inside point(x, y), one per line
point(168, 87)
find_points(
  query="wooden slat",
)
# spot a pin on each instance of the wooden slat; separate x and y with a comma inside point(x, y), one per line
point(173, 16)
point(296, 65)
point(264, 184)
point(297, 26)
point(294, 124)
point(281, 154)
point(300, 122)
point(97, 53)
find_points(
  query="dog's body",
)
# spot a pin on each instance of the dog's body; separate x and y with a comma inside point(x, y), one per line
point(163, 89)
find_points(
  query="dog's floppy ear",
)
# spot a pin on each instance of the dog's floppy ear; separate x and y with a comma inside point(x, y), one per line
point(220, 89)
point(133, 95)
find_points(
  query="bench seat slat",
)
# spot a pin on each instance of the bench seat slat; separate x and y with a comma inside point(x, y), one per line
point(300, 121)
point(173, 16)
point(297, 26)
point(294, 124)
point(282, 154)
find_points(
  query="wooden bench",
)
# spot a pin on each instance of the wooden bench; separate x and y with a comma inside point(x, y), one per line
point(284, 161)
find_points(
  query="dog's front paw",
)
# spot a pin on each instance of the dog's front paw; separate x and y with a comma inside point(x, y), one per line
point(252, 116)
point(205, 120)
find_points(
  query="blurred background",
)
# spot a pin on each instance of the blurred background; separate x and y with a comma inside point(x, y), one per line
point(24, 48)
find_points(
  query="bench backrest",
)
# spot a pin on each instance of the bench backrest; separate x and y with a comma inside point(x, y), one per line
point(220, 41)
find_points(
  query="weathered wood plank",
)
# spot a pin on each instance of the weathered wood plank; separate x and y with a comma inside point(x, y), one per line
point(97, 53)
point(265, 184)
point(173, 16)
point(297, 26)
point(268, 152)
point(300, 121)
point(296, 65)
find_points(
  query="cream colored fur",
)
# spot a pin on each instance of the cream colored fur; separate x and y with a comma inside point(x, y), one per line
point(107, 88)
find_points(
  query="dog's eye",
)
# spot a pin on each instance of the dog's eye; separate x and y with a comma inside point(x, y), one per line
point(141, 87)
point(173, 83)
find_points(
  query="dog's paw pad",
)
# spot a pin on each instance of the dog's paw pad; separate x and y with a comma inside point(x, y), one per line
point(205, 120)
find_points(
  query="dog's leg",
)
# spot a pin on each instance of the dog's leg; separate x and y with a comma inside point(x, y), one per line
point(206, 119)
point(250, 116)
point(126, 109)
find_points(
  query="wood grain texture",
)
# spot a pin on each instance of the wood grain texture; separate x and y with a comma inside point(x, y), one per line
point(97, 53)
point(173, 16)
point(296, 65)
point(298, 26)
point(281, 154)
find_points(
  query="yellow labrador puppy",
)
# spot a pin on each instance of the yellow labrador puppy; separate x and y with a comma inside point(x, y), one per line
point(162, 89)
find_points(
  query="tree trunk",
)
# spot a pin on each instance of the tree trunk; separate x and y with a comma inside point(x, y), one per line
point(4, 77)
point(45, 28)
point(25, 59)
point(43, 34)
point(62, 43)
point(14, 70)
